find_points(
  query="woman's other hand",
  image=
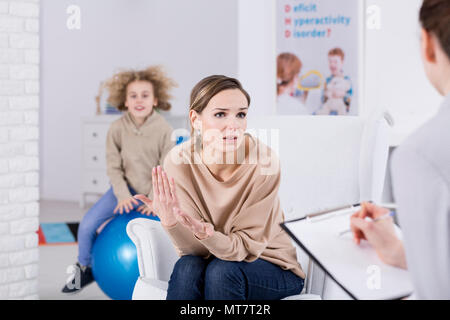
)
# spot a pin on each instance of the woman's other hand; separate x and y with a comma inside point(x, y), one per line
point(200, 229)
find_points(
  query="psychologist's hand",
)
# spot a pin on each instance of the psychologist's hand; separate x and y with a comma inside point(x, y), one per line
point(164, 197)
point(380, 234)
point(125, 205)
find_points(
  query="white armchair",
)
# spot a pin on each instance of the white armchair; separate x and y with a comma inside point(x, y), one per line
point(325, 162)
point(156, 258)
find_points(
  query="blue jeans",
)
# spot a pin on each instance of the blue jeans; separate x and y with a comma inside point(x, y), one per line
point(101, 211)
point(196, 278)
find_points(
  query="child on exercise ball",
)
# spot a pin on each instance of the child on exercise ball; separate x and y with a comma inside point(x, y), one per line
point(136, 142)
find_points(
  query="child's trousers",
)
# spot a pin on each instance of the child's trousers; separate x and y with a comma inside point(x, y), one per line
point(101, 211)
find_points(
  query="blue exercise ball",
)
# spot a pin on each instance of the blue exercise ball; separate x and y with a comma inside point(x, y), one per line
point(114, 257)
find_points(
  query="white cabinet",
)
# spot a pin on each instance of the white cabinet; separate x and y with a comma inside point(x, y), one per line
point(94, 180)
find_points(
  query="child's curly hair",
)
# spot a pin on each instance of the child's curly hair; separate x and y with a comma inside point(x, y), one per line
point(118, 84)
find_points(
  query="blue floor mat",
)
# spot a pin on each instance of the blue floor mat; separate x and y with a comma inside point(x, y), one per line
point(57, 233)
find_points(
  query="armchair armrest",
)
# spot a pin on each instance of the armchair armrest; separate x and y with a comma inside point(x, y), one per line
point(155, 252)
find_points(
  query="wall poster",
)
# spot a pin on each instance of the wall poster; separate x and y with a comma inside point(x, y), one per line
point(319, 57)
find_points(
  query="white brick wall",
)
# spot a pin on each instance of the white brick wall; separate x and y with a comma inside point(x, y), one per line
point(19, 162)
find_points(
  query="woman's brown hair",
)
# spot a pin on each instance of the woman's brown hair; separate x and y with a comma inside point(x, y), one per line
point(288, 66)
point(118, 84)
point(435, 18)
point(208, 87)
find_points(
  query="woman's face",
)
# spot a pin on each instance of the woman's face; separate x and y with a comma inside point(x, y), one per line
point(223, 121)
point(140, 99)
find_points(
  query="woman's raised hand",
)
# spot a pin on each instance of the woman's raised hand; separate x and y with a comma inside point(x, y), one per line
point(166, 206)
point(164, 197)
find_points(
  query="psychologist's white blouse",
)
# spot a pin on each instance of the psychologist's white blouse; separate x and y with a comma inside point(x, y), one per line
point(421, 184)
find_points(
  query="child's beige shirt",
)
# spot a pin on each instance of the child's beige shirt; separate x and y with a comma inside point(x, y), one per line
point(132, 152)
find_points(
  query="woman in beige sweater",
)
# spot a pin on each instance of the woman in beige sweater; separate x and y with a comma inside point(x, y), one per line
point(217, 198)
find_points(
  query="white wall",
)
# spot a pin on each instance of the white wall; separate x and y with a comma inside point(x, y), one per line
point(257, 54)
point(192, 39)
point(392, 68)
point(395, 78)
point(393, 73)
point(19, 165)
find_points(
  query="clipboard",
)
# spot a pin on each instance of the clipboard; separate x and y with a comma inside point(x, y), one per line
point(357, 269)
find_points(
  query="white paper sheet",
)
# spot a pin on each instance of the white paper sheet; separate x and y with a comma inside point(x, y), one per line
point(357, 268)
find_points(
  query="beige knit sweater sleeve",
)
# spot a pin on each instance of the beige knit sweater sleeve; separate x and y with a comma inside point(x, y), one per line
point(182, 238)
point(115, 170)
point(251, 228)
point(166, 143)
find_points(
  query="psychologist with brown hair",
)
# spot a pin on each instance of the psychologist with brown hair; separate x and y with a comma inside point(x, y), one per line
point(421, 178)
